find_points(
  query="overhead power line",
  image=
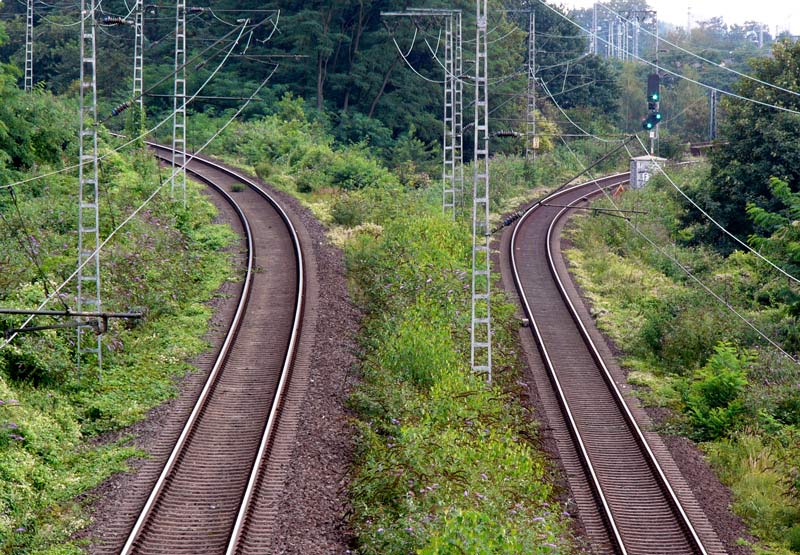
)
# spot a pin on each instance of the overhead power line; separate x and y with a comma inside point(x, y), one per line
point(670, 72)
point(718, 225)
point(683, 268)
point(706, 60)
point(141, 207)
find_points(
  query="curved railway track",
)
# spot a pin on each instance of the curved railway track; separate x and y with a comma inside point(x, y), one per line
point(623, 488)
point(210, 495)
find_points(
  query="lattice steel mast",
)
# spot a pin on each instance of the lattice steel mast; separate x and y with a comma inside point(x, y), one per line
point(88, 275)
point(29, 47)
point(481, 328)
point(449, 136)
point(458, 115)
point(453, 105)
point(179, 103)
point(138, 64)
point(530, 139)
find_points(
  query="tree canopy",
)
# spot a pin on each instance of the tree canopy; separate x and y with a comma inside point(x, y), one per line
point(762, 143)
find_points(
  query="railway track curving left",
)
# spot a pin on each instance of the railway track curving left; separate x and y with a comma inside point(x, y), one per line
point(215, 489)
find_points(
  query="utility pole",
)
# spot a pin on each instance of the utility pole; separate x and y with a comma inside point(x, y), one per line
point(138, 65)
point(712, 114)
point(481, 328)
point(29, 47)
point(179, 103)
point(458, 115)
point(453, 106)
point(531, 142)
point(593, 38)
point(88, 274)
point(449, 135)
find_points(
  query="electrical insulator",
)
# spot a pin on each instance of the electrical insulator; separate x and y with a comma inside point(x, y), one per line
point(113, 20)
point(121, 108)
point(195, 9)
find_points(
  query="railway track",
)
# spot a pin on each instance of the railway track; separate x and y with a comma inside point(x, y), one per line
point(630, 496)
point(214, 494)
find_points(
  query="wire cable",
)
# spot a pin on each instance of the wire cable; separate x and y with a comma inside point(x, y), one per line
point(578, 127)
point(716, 223)
point(686, 270)
point(133, 214)
point(699, 57)
point(135, 139)
point(670, 72)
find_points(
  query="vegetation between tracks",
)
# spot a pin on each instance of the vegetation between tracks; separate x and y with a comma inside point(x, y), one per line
point(728, 389)
point(445, 464)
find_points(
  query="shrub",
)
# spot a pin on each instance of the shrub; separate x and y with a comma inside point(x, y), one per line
point(713, 400)
point(349, 210)
point(793, 538)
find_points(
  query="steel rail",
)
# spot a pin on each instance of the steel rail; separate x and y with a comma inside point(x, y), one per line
point(228, 343)
point(595, 189)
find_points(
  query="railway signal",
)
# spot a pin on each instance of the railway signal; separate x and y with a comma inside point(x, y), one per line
point(653, 96)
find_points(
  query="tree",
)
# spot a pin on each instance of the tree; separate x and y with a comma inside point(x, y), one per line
point(762, 143)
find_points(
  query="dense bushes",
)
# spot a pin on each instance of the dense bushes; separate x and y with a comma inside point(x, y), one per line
point(166, 261)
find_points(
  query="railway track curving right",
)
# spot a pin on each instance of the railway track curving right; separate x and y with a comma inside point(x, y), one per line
point(627, 500)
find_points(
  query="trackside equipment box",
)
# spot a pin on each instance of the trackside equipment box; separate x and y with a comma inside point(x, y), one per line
point(643, 168)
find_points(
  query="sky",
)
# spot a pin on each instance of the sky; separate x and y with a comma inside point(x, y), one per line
point(781, 13)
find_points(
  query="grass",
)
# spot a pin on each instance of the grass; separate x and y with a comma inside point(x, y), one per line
point(52, 420)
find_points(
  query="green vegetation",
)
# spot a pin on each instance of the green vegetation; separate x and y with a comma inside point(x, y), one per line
point(167, 261)
point(728, 389)
point(445, 464)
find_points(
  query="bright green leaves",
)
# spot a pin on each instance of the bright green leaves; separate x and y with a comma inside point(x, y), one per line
point(714, 396)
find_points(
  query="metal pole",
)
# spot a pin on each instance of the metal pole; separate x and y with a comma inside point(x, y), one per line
point(29, 47)
point(179, 103)
point(593, 42)
point(481, 330)
point(458, 145)
point(654, 147)
point(88, 274)
point(530, 142)
point(448, 124)
point(138, 64)
point(712, 114)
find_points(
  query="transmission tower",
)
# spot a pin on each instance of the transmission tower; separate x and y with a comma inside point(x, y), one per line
point(481, 328)
point(138, 64)
point(530, 142)
point(88, 274)
point(179, 103)
point(29, 47)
